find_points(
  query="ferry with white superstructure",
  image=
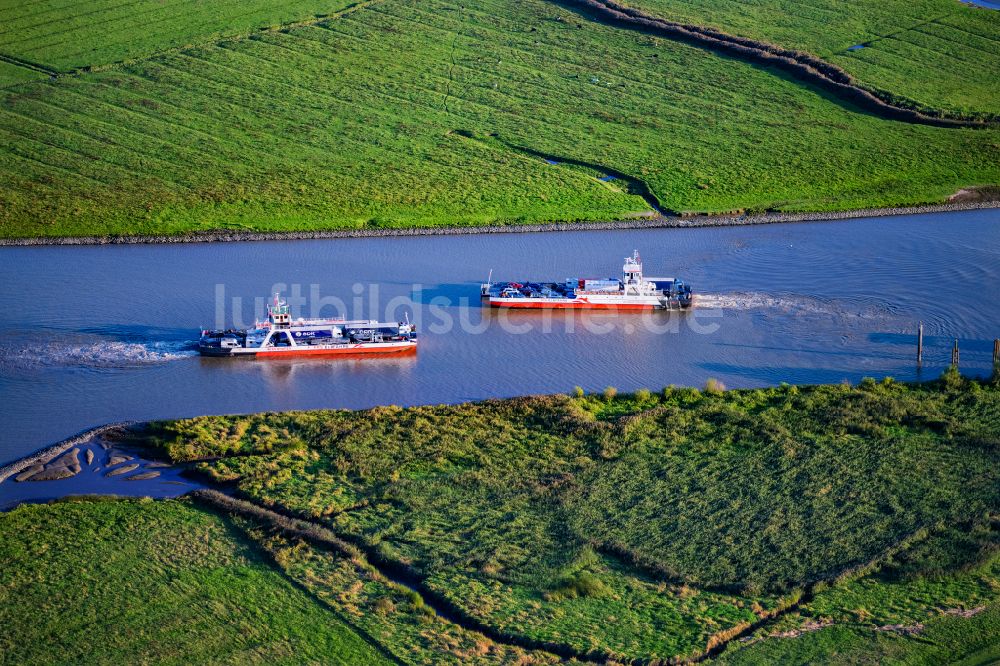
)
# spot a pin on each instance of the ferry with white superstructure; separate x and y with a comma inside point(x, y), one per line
point(631, 292)
point(280, 336)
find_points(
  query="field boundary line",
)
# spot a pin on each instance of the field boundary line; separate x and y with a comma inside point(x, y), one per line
point(803, 66)
point(214, 39)
point(79, 148)
point(55, 149)
point(97, 102)
point(918, 47)
point(27, 64)
point(901, 31)
point(219, 39)
point(73, 174)
point(941, 36)
point(945, 40)
point(60, 36)
point(25, 28)
point(291, 524)
point(963, 28)
point(220, 502)
point(550, 49)
point(114, 142)
point(275, 83)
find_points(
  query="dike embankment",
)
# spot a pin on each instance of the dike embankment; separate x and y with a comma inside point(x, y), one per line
point(651, 222)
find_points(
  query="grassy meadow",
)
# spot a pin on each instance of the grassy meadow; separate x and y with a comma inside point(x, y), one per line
point(115, 581)
point(945, 640)
point(406, 113)
point(901, 615)
point(11, 74)
point(63, 36)
point(404, 625)
point(650, 526)
point(928, 54)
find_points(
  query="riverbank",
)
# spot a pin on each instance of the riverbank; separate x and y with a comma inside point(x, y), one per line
point(655, 222)
point(92, 463)
point(574, 509)
point(49, 453)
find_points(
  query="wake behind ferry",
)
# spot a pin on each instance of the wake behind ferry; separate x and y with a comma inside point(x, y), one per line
point(631, 292)
point(279, 336)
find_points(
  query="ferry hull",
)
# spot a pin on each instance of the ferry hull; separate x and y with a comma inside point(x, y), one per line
point(339, 350)
point(350, 350)
point(566, 304)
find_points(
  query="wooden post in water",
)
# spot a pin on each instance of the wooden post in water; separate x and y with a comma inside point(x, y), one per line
point(954, 354)
point(920, 344)
point(996, 355)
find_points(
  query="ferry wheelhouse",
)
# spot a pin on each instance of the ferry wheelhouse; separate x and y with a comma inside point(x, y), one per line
point(281, 336)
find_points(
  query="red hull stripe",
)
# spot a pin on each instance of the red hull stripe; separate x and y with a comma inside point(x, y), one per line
point(337, 352)
point(573, 306)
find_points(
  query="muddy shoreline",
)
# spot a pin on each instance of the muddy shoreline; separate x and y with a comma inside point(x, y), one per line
point(97, 462)
point(656, 222)
point(50, 452)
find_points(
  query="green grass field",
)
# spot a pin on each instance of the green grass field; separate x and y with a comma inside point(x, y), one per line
point(943, 640)
point(947, 584)
point(11, 74)
point(648, 526)
point(113, 582)
point(63, 35)
point(406, 627)
point(407, 113)
point(933, 54)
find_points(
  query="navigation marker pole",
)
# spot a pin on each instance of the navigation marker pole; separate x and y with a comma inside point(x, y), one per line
point(920, 344)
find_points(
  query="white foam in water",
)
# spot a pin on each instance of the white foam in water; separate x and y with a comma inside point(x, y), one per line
point(102, 354)
point(789, 304)
point(754, 301)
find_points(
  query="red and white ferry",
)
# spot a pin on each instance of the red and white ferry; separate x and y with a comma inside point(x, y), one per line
point(631, 292)
point(280, 336)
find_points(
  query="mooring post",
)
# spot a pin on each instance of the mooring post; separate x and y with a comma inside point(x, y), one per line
point(954, 354)
point(920, 344)
point(996, 352)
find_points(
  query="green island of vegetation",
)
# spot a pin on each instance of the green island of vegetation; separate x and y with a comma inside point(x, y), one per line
point(163, 118)
point(818, 524)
